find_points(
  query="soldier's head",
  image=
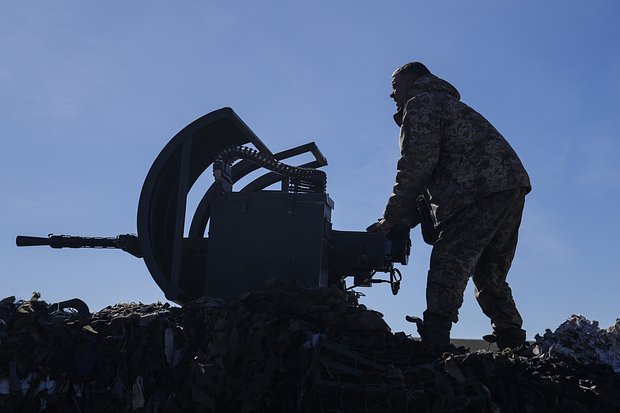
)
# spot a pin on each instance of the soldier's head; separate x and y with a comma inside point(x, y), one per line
point(402, 80)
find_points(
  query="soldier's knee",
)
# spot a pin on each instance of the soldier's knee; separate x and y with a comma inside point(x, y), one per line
point(452, 283)
point(490, 283)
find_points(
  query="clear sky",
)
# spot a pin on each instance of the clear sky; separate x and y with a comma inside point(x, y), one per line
point(92, 91)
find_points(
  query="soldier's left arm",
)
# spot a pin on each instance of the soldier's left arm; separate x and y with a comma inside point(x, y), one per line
point(420, 142)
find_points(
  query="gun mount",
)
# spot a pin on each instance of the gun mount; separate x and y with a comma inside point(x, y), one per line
point(237, 240)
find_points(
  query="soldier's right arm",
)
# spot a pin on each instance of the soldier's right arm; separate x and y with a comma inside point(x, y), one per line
point(420, 140)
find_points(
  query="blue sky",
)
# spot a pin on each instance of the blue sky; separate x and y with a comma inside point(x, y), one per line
point(91, 92)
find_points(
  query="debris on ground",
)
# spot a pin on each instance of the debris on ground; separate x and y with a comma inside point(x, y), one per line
point(582, 340)
point(281, 349)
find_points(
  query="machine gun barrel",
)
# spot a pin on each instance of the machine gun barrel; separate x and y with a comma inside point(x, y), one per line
point(128, 242)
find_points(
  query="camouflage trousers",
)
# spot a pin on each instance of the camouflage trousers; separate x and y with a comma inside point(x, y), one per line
point(480, 242)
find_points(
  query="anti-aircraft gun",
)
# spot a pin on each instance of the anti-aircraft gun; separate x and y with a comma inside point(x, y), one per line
point(239, 239)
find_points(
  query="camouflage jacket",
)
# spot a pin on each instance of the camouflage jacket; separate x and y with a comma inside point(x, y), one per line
point(450, 154)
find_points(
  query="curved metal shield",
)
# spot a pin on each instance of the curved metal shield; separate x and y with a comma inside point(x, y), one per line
point(161, 210)
point(178, 264)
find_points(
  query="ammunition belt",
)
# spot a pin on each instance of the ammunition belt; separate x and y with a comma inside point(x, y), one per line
point(304, 179)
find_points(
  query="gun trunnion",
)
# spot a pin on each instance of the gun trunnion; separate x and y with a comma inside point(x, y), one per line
point(237, 240)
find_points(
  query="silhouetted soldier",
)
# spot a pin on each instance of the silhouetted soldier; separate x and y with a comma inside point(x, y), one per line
point(474, 186)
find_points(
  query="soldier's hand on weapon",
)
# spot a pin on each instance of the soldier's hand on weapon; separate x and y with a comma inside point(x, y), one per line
point(380, 226)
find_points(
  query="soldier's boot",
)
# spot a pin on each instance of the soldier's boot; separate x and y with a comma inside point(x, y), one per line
point(511, 337)
point(434, 332)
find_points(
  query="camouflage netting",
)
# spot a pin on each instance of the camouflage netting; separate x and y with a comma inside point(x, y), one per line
point(282, 349)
